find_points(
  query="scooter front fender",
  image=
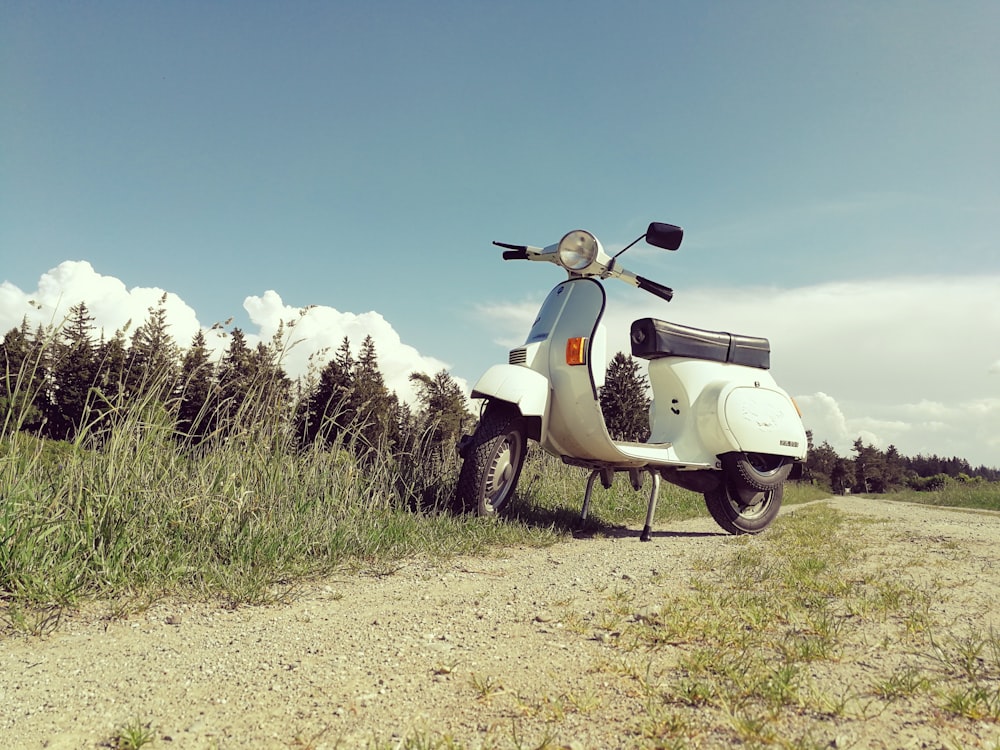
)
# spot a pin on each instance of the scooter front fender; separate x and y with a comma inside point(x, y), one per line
point(525, 388)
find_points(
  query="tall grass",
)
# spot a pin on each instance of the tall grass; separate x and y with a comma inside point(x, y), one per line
point(137, 514)
point(128, 510)
point(127, 507)
point(131, 510)
point(978, 495)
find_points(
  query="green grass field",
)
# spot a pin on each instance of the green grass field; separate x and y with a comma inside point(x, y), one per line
point(978, 495)
point(132, 517)
point(129, 515)
point(138, 516)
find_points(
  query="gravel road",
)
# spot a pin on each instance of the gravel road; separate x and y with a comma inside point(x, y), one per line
point(488, 651)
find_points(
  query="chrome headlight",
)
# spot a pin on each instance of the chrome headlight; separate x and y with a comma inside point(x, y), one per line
point(577, 250)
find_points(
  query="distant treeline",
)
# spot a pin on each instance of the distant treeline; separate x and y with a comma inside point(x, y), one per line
point(61, 382)
point(70, 380)
point(873, 470)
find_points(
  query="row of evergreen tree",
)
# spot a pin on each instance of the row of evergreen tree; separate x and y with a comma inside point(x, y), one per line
point(871, 469)
point(59, 381)
point(625, 402)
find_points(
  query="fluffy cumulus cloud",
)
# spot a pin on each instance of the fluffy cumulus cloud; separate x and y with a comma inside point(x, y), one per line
point(825, 417)
point(313, 334)
point(911, 362)
point(310, 335)
point(112, 305)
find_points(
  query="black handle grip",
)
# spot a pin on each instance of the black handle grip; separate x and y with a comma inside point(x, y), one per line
point(664, 292)
point(510, 247)
point(515, 254)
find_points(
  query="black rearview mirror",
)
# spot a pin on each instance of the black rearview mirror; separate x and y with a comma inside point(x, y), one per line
point(663, 235)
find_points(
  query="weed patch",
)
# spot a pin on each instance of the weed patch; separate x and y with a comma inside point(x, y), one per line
point(764, 648)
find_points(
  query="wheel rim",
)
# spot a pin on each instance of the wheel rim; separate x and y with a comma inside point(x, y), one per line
point(503, 470)
point(750, 510)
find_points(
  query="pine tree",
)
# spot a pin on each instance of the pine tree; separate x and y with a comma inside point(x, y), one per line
point(820, 463)
point(443, 407)
point(869, 468)
point(112, 358)
point(234, 377)
point(72, 374)
point(895, 468)
point(375, 407)
point(15, 351)
point(194, 390)
point(625, 400)
point(269, 386)
point(21, 379)
point(328, 409)
point(152, 357)
point(841, 476)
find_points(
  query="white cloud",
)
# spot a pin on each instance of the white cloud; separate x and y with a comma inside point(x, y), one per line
point(315, 334)
point(889, 340)
point(825, 417)
point(968, 428)
point(516, 319)
point(903, 361)
point(110, 303)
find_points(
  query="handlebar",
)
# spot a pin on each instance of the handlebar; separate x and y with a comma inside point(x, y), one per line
point(607, 265)
point(663, 292)
point(521, 252)
point(515, 255)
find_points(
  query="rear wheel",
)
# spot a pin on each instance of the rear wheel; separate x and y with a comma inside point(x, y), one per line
point(493, 459)
point(761, 471)
point(741, 510)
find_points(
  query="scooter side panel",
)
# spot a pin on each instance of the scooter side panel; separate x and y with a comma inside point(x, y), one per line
point(685, 409)
point(711, 408)
point(764, 420)
point(676, 385)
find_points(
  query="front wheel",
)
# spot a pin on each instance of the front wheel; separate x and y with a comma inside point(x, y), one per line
point(493, 459)
point(743, 511)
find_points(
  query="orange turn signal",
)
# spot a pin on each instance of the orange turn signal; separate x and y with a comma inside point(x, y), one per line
point(576, 351)
point(796, 405)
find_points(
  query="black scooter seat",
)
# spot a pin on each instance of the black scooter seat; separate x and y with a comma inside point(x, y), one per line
point(653, 339)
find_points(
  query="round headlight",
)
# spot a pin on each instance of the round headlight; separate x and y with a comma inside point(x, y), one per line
point(577, 250)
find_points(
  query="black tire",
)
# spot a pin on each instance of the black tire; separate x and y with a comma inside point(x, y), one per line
point(493, 459)
point(742, 511)
point(758, 471)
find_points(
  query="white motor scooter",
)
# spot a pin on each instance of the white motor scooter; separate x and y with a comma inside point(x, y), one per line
point(719, 424)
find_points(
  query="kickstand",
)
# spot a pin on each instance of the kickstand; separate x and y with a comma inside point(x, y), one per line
point(607, 478)
point(590, 490)
point(651, 510)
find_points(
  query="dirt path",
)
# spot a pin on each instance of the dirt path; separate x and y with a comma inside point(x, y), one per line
point(483, 650)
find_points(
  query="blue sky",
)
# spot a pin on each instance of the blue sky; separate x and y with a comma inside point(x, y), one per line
point(835, 165)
